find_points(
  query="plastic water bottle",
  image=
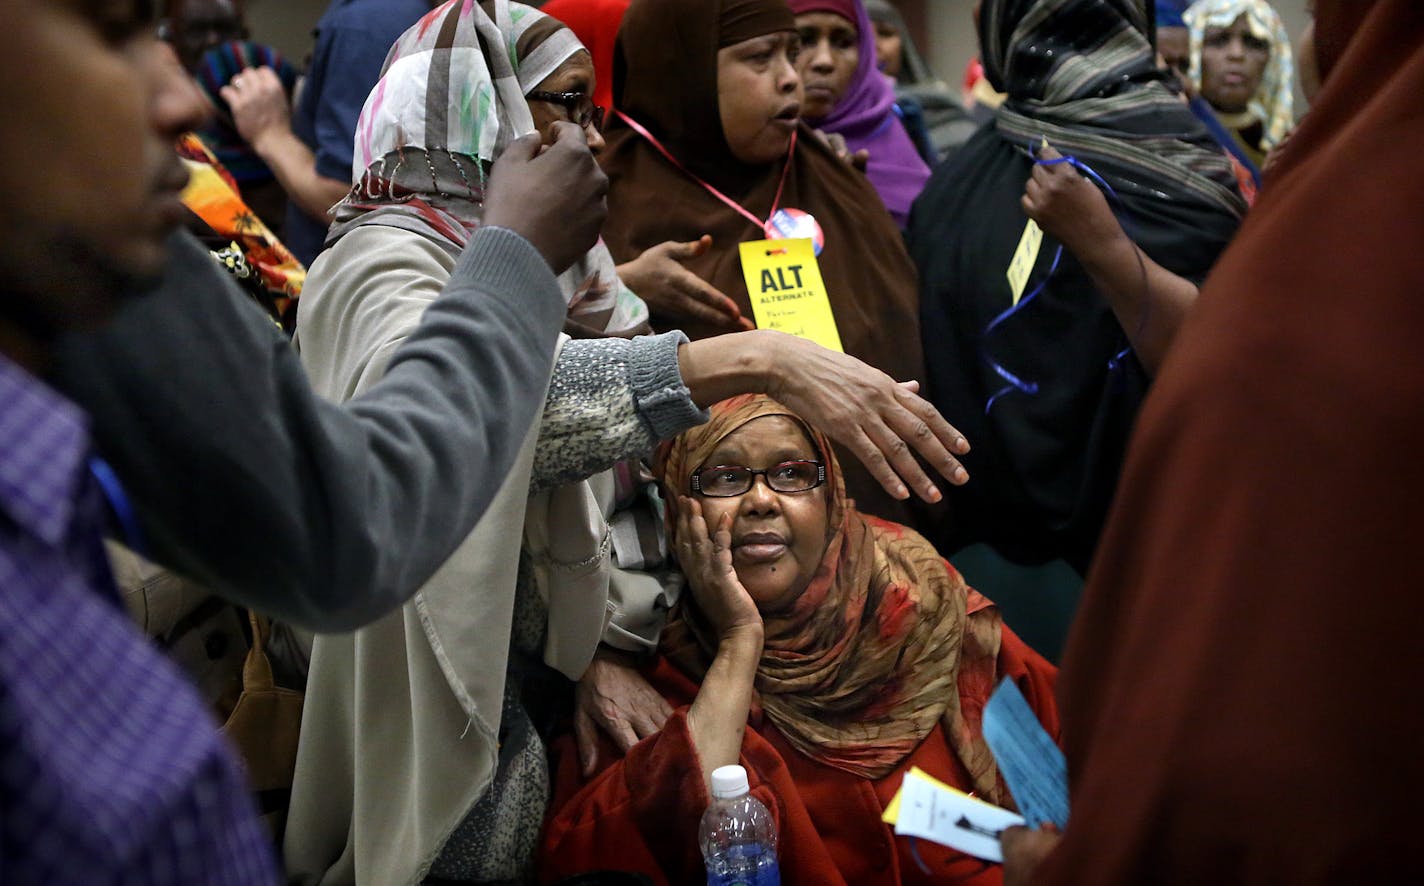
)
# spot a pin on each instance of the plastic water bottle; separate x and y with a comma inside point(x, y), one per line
point(737, 834)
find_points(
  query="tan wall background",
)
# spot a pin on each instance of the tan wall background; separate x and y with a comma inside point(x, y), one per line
point(944, 29)
point(285, 24)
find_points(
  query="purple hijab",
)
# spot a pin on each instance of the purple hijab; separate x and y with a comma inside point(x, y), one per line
point(865, 117)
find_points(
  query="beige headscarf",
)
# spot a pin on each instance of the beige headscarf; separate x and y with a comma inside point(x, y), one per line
point(400, 732)
point(441, 113)
point(1273, 105)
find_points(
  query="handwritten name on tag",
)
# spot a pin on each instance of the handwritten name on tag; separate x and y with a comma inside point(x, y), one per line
point(1025, 257)
point(787, 292)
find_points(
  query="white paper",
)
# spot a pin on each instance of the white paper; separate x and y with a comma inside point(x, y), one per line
point(952, 818)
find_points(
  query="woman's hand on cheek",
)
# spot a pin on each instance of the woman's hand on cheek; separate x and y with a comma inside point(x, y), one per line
point(718, 715)
point(706, 560)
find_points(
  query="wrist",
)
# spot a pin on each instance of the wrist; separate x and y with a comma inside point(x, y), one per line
point(717, 368)
point(631, 275)
point(268, 142)
point(744, 637)
point(753, 359)
point(778, 357)
point(1101, 249)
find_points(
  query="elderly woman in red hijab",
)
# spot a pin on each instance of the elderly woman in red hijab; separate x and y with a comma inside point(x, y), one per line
point(848, 96)
point(824, 650)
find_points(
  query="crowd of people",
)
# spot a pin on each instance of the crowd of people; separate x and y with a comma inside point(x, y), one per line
point(417, 465)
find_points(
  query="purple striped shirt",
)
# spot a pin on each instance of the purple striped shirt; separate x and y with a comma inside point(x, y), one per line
point(111, 768)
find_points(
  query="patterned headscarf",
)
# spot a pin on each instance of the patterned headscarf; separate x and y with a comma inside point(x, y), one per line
point(212, 195)
point(880, 646)
point(596, 23)
point(1273, 105)
point(441, 113)
point(1083, 73)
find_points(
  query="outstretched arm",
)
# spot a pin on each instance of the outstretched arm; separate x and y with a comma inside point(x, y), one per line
point(882, 421)
point(329, 516)
point(613, 399)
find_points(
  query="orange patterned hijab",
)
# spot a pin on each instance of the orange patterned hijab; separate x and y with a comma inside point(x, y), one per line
point(878, 648)
point(212, 195)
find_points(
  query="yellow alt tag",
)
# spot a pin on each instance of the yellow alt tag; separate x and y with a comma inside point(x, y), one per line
point(1025, 257)
point(787, 292)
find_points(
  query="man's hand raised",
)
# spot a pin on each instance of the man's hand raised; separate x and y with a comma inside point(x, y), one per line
point(552, 196)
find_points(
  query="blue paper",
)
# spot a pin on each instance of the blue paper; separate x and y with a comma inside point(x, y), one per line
point(1034, 768)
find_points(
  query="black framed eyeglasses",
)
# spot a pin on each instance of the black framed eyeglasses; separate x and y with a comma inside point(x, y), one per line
point(580, 107)
point(726, 481)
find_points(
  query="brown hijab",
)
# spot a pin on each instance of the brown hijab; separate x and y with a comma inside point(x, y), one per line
point(1241, 689)
point(878, 647)
point(665, 77)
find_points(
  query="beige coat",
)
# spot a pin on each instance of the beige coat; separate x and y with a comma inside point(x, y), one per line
point(399, 735)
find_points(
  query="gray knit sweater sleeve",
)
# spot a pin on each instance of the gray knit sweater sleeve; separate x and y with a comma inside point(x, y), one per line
point(324, 515)
point(611, 399)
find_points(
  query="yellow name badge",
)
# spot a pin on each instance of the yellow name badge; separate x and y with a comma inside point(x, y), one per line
point(787, 292)
point(1025, 257)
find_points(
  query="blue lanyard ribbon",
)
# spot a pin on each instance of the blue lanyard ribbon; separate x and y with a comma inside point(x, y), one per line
point(1014, 382)
point(119, 503)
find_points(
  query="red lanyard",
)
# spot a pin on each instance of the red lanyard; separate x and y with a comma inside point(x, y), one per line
point(791, 152)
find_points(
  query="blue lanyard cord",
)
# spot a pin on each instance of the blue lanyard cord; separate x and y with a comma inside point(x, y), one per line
point(1024, 386)
point(1014, 382)
point(119, 503)
point(1085, 169)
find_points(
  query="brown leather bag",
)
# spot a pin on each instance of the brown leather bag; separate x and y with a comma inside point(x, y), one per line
point(203, 635)
point(265, 725)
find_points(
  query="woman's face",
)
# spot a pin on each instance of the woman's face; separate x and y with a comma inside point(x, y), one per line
point(759, 96)
point(573, 76)
point(1233, 63)
point(778, 538)
point(830, 51)
point(889, 48)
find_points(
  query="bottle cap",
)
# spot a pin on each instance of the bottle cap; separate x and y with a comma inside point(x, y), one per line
point(729, 782)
